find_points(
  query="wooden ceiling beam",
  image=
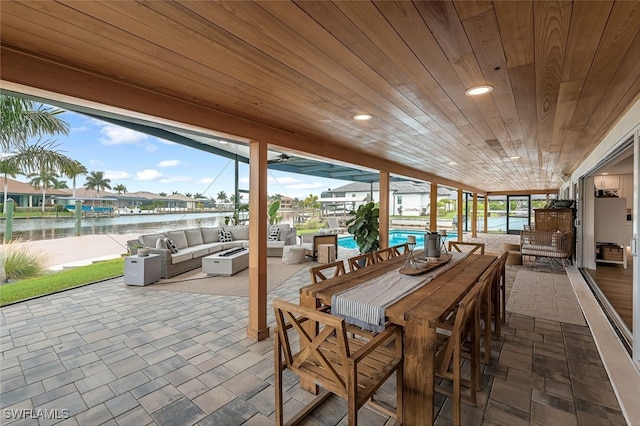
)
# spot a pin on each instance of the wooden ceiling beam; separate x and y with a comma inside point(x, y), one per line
point(27, 70)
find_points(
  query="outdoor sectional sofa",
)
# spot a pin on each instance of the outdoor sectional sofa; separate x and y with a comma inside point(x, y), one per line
point(193, 244)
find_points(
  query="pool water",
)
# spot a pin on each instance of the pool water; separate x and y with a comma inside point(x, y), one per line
point(396, 237)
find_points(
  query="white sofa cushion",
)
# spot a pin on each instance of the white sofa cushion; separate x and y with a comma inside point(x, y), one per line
point(213, 247)
point(274, 244)
point(181, 257)
point(197, 251)
point(149, 240)
point(239, 232)
point(210, 235)
point(284, 230)
point(194, 237)
point(178, 237)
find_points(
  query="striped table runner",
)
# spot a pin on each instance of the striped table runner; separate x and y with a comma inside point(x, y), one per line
point(364, 305)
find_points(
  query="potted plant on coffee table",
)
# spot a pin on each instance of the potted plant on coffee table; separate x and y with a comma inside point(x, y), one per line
point(364, 225)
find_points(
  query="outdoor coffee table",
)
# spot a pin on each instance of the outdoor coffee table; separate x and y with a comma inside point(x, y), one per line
point(227, 262)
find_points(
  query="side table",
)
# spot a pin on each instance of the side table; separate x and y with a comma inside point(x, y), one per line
point(326, 253)
point(142, 271)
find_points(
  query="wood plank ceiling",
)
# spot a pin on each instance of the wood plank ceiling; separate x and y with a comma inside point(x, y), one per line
point(563, 72)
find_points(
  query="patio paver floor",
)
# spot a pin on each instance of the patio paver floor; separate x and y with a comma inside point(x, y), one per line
point(118, 355)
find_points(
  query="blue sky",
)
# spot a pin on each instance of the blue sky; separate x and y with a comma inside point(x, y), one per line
point(146, 163)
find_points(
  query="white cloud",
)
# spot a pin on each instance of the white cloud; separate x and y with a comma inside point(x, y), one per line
point(150, 147)
point(114, 135)
point(205, 180)
point(96, 163)
point(149, 174)
point(169, 163)
point(116, 174)
point(176, 179)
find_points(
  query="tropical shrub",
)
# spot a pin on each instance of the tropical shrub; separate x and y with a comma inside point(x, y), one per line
point(21, 261)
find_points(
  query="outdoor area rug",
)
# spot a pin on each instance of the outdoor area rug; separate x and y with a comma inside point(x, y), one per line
point(196, 281)
point(545, 295)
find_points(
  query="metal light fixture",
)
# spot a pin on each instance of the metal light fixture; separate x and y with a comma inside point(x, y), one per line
point(478, 90)
point(362, 117)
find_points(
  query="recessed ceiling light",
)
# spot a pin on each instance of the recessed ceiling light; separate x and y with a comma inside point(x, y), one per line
point(452, 163)
point(514, 158)
point(223, 142)
point(362, 117)
point(478, 90)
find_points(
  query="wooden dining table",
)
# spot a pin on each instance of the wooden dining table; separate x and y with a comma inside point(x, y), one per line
point(417, 313)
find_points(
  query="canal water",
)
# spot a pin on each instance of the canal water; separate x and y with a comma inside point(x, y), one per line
point(61, 227)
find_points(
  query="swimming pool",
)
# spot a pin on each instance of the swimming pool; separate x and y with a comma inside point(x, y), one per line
point(396, 237)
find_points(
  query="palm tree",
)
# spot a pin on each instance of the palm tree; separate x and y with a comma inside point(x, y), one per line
point(22, 120)
point(120, 188)
point(232, 200)
point(198, 195)
point(312, 202)
point(175, 193)
point(72, 171)
point(162, 194)
point(187, 194)
point(44, 180)
point(8, 167)
point(97, 181)
point(222, 197)
point(61, 184)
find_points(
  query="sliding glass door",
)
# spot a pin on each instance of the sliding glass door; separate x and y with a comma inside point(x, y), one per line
point(518, 213)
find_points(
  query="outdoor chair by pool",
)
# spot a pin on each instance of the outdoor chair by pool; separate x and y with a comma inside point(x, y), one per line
point(334, 225)
point(350, 367)
point(311, 242)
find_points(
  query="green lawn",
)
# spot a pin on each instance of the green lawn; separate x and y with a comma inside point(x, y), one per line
point(51, 283)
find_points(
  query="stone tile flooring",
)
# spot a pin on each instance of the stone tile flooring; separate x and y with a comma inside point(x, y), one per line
point(112, 354)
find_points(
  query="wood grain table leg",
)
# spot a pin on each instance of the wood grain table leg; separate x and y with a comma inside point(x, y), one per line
point(419, 349)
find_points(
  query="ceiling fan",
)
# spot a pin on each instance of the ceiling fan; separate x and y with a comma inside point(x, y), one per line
point(282, 158)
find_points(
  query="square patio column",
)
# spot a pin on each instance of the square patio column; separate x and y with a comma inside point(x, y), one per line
point(384, 209)
point(474, 216)
point(433, 207)
point(258, 329)
point(460, 215)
